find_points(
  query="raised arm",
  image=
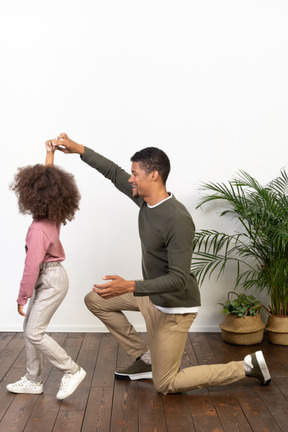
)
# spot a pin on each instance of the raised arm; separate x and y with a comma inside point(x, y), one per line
point(50, 149)
point(118, 176)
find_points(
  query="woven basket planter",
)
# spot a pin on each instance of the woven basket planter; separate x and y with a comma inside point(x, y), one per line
point(247, 330)
point(277, 328)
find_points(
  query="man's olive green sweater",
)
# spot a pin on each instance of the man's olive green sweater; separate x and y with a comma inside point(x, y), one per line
point(166, 232)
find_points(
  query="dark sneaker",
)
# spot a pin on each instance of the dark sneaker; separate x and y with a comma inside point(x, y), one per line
point(258, 367)
point(137, 370)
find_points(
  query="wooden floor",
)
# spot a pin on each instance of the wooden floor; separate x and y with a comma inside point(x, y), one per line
point(104, 404)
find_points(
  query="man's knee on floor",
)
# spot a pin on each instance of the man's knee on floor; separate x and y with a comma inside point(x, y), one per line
point(162, 386)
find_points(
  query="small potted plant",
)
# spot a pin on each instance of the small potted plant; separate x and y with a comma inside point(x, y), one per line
point(242, 323)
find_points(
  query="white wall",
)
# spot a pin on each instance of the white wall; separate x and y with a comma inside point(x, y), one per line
point(206, 81)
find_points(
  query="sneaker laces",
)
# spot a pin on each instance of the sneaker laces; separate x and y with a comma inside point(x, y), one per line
point(65, 381)
point(24, 382)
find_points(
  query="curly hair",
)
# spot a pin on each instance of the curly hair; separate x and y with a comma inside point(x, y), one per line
point(152, 158)
point(46, 192)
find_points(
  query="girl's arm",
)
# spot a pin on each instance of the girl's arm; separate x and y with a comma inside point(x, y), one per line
point(50, 149)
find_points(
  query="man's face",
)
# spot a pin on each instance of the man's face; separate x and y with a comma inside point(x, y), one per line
point(140, 181)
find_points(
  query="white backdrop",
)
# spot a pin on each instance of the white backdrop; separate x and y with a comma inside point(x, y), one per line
point(206, 81)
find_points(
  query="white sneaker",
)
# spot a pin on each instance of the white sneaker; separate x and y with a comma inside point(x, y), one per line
point(69, 383)
point(25, 386)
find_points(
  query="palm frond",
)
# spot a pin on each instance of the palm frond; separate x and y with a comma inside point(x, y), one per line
point(280, 184)
point(260, 250)
point(213, 250)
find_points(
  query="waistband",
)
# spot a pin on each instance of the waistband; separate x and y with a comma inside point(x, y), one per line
point(49, 264)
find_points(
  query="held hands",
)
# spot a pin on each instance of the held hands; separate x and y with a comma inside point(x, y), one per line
point(66, 145)
point(20, 310)
point(115, 287)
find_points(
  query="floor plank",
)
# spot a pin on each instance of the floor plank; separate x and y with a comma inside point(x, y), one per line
point(151, 409)
point(125, 407)
point(205, 416)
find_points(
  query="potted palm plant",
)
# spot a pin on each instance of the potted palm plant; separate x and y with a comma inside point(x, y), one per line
point(259, 247)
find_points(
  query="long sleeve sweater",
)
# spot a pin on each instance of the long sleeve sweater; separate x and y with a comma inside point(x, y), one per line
point(42, 245)
point(166, 233)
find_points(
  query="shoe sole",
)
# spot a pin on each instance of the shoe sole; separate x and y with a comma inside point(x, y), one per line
point(71, 392)
point(263, 367)
point(133, 377)
point(24, 391)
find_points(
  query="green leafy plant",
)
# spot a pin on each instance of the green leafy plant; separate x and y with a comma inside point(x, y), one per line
point(259, 248)
point(242, 305)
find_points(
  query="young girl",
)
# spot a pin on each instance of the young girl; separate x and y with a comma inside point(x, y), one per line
point(51, 196)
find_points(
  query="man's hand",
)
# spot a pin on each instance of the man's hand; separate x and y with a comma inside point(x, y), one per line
point(20, 310)
point(115, 287)
point(66, 145)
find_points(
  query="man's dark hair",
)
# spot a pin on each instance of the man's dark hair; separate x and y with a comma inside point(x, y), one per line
point(153, 159)
point(46, 192)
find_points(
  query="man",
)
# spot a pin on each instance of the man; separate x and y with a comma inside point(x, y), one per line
point(168, 296)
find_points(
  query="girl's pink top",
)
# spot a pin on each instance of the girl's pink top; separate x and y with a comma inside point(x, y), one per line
point(42, 245)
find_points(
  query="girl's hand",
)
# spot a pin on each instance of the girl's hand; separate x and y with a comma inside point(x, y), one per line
point(50, 145)
point(50, 149)
point(20, 310)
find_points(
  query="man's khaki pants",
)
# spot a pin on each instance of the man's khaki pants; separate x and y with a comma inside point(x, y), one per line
point(167, 335)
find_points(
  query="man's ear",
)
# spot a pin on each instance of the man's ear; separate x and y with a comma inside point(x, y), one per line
point(155, 175)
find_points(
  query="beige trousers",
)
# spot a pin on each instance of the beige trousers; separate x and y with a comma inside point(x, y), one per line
point(50, 289)
point(167, 335)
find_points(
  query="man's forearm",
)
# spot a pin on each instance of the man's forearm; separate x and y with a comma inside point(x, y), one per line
point(79, 148)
